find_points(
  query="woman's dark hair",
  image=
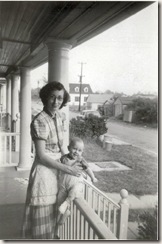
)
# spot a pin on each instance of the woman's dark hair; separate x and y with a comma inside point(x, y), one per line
point(52, 86)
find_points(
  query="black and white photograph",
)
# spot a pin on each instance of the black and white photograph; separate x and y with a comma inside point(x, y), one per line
point(79, 120)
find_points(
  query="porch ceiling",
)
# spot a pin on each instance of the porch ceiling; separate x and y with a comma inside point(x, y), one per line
point(25, 25)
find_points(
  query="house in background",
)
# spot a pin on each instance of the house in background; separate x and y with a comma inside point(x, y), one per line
point(120, 105)
point(74, 90)
point(94, 101)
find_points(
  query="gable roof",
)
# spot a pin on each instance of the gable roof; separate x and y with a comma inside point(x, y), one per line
point(72, 87)
point(99, 98)
point(125, 100)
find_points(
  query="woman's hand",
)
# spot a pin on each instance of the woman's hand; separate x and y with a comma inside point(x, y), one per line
point(75, 170)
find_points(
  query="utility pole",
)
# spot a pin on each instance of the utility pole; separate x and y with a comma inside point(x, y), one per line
point(80, 90)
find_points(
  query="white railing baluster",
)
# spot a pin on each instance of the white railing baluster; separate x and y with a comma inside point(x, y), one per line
point(114, 220)
point(99, 209)
point(91, 234)
point(74, 222)
point(104, 210)
point(86, 230)
point(93, 196)
point(10, 149)
point(77, 224)
point(71, 221)
point(82, 227)
point(63, 232)
point(68, 227)
point(89, 229)
point(5, 150)
point(109, 215)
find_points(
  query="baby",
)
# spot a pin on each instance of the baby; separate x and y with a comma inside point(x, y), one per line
point(71, 187)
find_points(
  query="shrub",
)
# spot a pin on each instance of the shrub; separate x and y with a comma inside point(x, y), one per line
point(146, 110)
point(91, 127)
point(147, 226)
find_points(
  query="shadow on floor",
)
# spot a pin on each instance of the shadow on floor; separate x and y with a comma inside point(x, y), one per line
point(11, 217)
point(12, 200)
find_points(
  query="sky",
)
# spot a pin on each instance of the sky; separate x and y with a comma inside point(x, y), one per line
point(124, 58)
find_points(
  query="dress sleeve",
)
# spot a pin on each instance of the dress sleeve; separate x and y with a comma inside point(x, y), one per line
point(39, 129)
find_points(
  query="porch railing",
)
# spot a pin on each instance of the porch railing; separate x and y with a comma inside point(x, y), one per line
point(9, 148)
point(104, 207)
point(84, 224)
point(3, 119)
point(96, 216)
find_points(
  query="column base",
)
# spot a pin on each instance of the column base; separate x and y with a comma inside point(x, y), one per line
point(18, 168)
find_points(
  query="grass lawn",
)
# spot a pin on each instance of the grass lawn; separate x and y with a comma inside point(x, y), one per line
point(140, 180)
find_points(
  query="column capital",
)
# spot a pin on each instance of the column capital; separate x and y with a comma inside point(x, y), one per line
point(8, 77)
point(14, 76)
point(57, 44)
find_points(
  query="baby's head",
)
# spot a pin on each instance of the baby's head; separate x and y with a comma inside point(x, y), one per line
point(76, 147)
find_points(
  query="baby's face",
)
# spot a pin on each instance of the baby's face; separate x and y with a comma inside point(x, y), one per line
point(76, 150)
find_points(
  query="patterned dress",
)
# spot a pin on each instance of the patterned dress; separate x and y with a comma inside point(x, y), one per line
point(40, 213)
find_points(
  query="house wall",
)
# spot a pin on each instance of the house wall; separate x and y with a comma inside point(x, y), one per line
point(93, 106)
point(119, 107)
point(73, 101)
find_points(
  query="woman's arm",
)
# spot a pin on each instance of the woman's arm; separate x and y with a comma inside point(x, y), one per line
point(49, 162)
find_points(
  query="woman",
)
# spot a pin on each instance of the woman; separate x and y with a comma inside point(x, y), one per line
point(47, 135)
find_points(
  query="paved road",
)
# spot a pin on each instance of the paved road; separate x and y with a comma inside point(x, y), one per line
point(143, 137)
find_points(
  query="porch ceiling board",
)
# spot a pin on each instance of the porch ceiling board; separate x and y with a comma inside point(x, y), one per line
point(25, 25)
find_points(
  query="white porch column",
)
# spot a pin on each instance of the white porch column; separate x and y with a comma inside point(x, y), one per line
point(1, 98)
point(8, 103)
point(14, 100)
point(4, 97)
point(58, 70)
point(25, 120)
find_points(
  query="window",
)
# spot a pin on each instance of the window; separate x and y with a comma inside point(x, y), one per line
point(76, 89)
point(85, 99)
point(76, 99)
point(86, 89)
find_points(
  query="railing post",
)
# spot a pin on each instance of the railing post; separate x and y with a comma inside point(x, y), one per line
point(123, 216)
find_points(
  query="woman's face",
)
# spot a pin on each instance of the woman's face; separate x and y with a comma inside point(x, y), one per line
point(55, 100)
